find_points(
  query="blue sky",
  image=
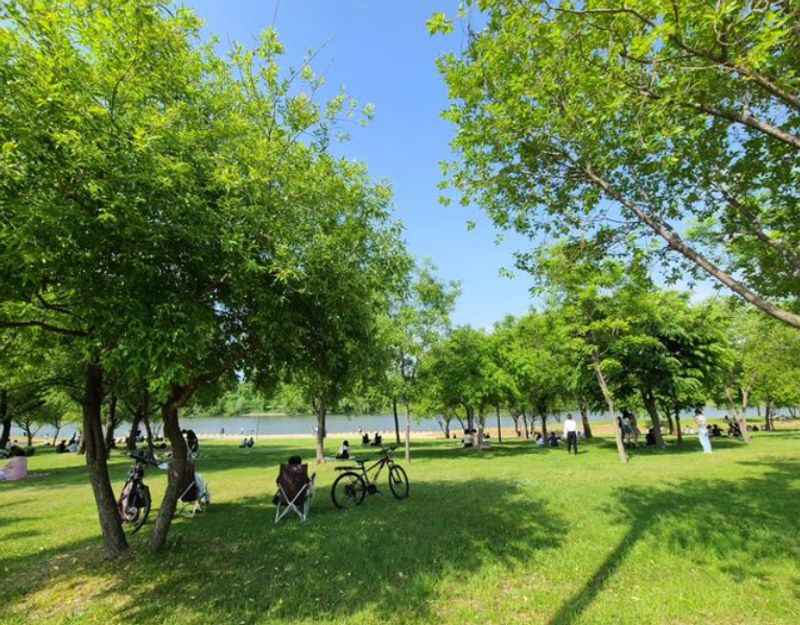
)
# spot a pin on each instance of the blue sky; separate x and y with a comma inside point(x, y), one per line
point(381, 53)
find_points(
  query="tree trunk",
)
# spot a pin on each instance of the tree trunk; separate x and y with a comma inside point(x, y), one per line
point(408, 432)
point(130, 444)
point(652, 410)
point(447, 427)
point(481, 426)
point(112, 424)
point(499, 431)
point(587, 428)
point(55, 436)
point(515, 418)
point(738, 414)
point(5, 418)
point(769, 425)
point(149, 433)
point(110, 525)
point(321, 410)
point(670, 424)
point(176, 475)
point(525, 425)
point(601, 380)
point(543, 417)
point(678, 425)
point(396, 420)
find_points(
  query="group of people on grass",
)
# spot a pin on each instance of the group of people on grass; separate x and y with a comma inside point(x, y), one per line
point(377, 441)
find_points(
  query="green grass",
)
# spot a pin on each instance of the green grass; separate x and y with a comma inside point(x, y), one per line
point(514, 535)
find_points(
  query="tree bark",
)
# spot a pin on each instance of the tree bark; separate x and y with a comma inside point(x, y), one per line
point(515, 418)
point(5, 418)
point(601, 380)
point(177, 473)
point(525, 425)
point(543, 417)
point(670, 424)
point(652, 410)
point(678, 429)
point(321, 410)
point(112, 424)
point(481, 426)
point(738, 415)
point(149, 432)
point(130, 444)
point(446, 427)
point(499, 431)
point(408, 432)
point(769, 424)
point(110, 523)
point(396, 420)
point(55, 436)
point(587, 428)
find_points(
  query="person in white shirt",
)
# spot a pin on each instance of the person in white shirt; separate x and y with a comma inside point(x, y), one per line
point(702, 431)
point(571, 434)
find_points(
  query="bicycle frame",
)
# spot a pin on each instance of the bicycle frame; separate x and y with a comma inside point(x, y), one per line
point(364, 470)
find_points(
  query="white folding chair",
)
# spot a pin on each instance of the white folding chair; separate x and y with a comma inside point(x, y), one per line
point(295, 491)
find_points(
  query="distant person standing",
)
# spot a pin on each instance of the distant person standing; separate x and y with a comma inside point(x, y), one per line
point(571, 434)
point(702, 430)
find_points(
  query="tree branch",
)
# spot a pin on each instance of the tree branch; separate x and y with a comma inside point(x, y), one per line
point(675, 242)
point(44, 325)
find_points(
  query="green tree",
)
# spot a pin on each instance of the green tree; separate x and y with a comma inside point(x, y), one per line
point(159, 208)
point(622, 120)
point(416, 320)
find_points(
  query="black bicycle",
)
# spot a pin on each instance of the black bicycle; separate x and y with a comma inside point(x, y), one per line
point(355, 483)
point(134, 500)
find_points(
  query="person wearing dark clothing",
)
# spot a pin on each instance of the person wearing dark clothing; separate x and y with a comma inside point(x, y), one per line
point(191, 441)
point(571, 434)
point(650, 439)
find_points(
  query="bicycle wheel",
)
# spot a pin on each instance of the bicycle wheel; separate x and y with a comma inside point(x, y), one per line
point(348, 490)
point(138, 510)
point(398, 481)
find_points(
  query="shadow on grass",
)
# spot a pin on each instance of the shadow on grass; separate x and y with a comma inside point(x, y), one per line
point(232, 564)
point(742, 523)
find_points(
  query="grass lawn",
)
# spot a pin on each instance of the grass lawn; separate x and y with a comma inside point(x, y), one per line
point(513, 535)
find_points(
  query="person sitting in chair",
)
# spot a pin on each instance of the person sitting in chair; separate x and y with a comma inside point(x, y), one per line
point(61, 447)
point(378, 441)
point(552, 440)
point(650, 439)
point(365, 439)
point(344, 451)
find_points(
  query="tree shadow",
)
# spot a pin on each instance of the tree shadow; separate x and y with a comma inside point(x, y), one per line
point(742, 523)
point(384, 557)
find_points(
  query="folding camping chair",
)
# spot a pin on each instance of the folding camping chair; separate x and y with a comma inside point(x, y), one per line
point(295, 491)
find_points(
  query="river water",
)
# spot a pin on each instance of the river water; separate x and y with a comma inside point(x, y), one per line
point(280, 425)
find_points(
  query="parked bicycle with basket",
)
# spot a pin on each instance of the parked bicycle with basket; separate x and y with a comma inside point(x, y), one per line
point(356, 482)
